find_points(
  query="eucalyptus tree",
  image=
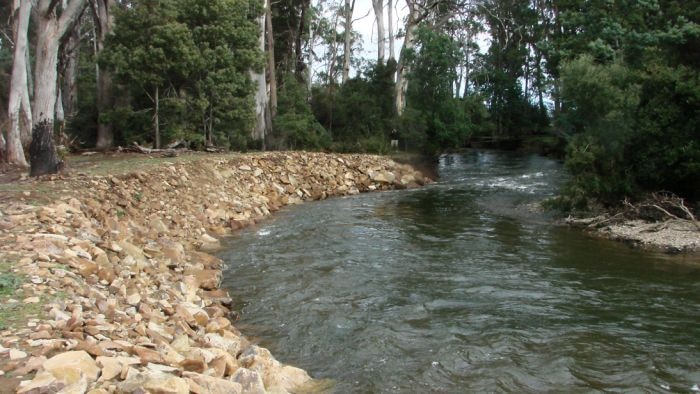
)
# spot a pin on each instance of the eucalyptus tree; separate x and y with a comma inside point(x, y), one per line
point(54, 20)
point(19, 109)
point(378, 6)
point(103, 21)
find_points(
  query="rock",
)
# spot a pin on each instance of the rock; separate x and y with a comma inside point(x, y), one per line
point(172, 250)
point(154, 383)
point(218, 324)
point(211, 385)
point(66, 365)
point(250, 381)
point(34, 364)
point(382, 177)
point(147, 355)
point(32, 300)
point(289, 378)
point(231, 345)
point(132, 250)
point(43, 382)
point(133, 299)
point(111, 367)
point(207, 242)
point(207, 279)
point(16, 354)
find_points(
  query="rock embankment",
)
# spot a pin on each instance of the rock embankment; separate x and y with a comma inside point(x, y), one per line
point(130, 297)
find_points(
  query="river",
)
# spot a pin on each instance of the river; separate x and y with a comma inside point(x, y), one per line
point(464, 286)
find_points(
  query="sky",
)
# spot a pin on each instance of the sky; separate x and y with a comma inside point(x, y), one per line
point(365, 24)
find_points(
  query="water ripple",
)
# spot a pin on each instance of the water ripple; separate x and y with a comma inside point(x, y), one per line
point(456, 288)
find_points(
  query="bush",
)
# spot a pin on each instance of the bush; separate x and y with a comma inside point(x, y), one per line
point(295, 126)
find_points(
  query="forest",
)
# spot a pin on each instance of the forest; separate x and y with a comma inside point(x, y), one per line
point(611, 86)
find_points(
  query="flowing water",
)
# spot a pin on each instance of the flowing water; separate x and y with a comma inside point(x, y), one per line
point(461, 287)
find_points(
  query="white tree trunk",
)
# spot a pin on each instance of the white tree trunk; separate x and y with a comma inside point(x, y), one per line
point(349, 7)
point(390, 19)
point(19, 111)
point(402, 67)
point(271, 65)
point(261, 97)
point(51, 28)
point(378, 6)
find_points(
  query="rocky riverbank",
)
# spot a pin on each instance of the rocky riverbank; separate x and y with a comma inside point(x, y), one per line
point(671, 236)
point(126, 295)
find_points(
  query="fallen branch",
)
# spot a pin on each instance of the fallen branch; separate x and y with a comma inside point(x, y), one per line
point(670, 206)
point(165, 152)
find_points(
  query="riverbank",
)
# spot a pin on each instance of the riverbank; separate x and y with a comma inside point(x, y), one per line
point(114, 269)
point(672, 236)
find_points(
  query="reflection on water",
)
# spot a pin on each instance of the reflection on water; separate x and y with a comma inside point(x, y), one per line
point(460, 287)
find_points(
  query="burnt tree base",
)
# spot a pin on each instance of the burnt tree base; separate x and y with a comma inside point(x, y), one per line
point(43, 158)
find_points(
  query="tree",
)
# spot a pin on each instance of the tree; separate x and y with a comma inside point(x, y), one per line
point(103, 19)
point(378, 6)
point(19, 110)
point(52, 27)
point(433, 70)
point(347, 38)
point(152, 51)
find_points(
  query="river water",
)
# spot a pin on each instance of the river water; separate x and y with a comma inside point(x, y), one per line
point(462, 286)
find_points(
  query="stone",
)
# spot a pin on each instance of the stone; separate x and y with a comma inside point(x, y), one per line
point(16, 354)
point(172, 250)
point(33, 364)
point(63, 366)
point(208, 279)
point(43, 382)
point(382, 177)
point(111, 367)
point(153, 383)
point(207, 242)
point(132, 250)
point(218, 324)
point(147, 355)
point(133, 299)
point(211, 385)
point(231, 345)
point(250, 381)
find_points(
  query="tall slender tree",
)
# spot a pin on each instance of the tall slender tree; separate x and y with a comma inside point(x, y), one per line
point(19, 110)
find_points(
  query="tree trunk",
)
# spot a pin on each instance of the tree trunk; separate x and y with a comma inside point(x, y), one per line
point(51, 29)
point(104, 19)
point(402, 68)
point(390, 15)
point(334, 54)
point(299, 61)
point(69, 85)
point(378, 6)
point(18, 110)
point(261, 98)
point(271, 66)
point(156, 119)
point(349, 7)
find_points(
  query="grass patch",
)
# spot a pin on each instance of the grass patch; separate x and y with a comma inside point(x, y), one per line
point(13, 312)
point(9, 283)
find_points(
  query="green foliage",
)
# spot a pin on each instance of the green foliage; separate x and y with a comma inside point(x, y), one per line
point(198, 54)
point(430, 98)
point(9, 283)
point(359, 114)
point(295, 125)
point(630, 102)
point(633, 130)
